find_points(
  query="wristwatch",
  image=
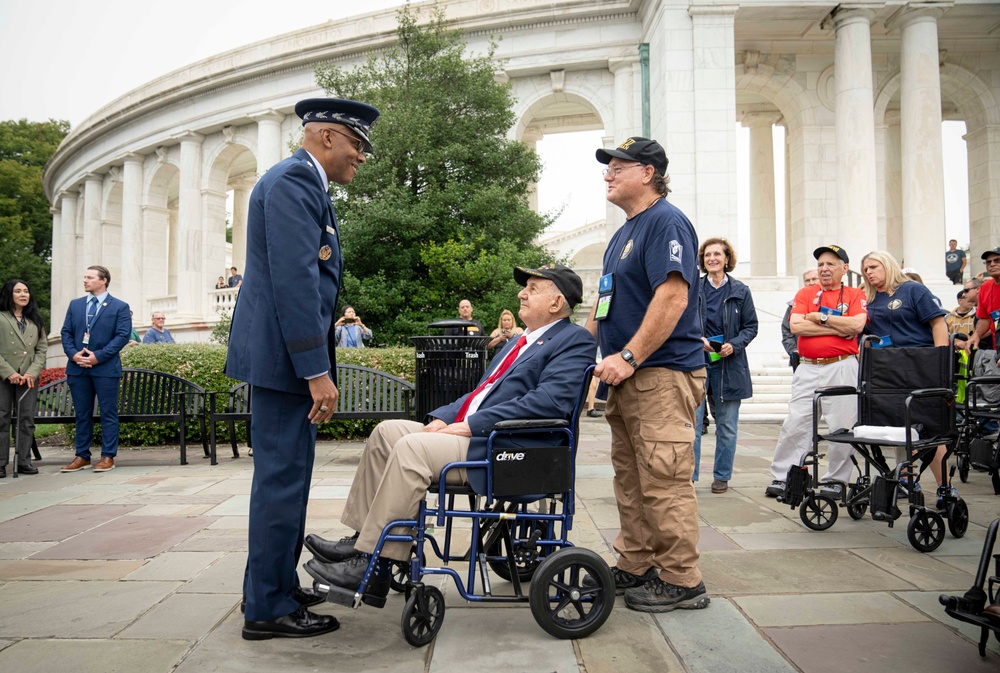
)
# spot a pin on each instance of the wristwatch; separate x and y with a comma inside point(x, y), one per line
point(824, 317)
point(629, 358)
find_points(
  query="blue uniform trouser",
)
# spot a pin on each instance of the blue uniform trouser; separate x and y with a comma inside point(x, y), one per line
point(83, 387)
point(727, 415)
point(284, 446)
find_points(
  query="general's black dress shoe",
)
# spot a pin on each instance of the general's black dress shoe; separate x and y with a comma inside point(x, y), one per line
point(299, 624)
point(348, 575)
point(27, 468)
point(332, 552)
point(305, 598)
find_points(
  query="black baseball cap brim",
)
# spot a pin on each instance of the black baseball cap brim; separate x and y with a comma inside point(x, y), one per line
point(994, 251)
point(835, 249)
point(569, 284)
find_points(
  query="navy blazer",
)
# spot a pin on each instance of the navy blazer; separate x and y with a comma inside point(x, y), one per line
point(283, 326)
point(109, 332)
point(543, 383)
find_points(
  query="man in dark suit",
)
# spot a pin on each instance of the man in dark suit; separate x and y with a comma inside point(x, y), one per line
point(96, 328)
point(282, 342)
point(536, 376)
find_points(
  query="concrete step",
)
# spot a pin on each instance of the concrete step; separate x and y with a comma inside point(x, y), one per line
point(763, 408)
point(752, 417)
point(767, 398)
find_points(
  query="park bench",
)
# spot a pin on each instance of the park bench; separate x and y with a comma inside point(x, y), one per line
point(143, 396)
point(364, 393)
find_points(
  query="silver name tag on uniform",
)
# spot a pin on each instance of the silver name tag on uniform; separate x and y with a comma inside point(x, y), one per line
point(331, 231)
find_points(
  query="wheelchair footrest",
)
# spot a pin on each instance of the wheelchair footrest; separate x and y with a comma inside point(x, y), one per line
point(795, 486)
point(883, 500)
point(338, 595)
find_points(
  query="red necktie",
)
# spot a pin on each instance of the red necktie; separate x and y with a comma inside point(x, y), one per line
point(494, 377)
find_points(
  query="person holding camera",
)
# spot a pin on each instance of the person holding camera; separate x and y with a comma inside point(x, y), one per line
point(506, 328)
point(728, 324)
point(350, 332)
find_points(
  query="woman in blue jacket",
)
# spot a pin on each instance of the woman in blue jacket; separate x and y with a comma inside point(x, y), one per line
point(729, 324)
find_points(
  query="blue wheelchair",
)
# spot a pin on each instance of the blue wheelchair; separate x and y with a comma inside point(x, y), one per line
point(519, 532)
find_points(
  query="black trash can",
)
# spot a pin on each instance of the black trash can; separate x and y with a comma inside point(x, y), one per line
point(447, 366)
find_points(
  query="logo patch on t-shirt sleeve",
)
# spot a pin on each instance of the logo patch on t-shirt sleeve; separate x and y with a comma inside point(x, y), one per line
point(676, 250)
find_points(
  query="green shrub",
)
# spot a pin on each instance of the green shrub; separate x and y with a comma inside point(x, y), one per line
point(203, 364)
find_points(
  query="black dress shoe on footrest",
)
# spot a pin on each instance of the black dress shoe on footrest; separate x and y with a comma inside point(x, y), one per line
point(299, 624)
point(348, 575)
point(332, 552)
point(27, 469)
point(305, 597)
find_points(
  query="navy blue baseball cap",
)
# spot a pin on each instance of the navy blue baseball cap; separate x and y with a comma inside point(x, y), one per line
point(647, 152)
point(359, 117)
point(994, 251)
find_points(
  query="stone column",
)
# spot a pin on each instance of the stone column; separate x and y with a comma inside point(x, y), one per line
point(857, 210)
point(530, 137)
point(71, 278)
point(893, 187)
point(789, 269)
point(763, 223)
point(241, 208)
point(714, 54)
point(59, 270)
point(191, 282)
point(920, 137)
point(92, 235)
point(268, 140)
point(983, 145)
point(130, 288)
point(625, 122)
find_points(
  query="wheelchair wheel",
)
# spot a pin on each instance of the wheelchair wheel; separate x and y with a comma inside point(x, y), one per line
point(958, 518)
point(925, 530)
point(963, 468)
point(400, 576)
point(856, 510)
point(818, 512)
point(422, 616)
point(563, 602)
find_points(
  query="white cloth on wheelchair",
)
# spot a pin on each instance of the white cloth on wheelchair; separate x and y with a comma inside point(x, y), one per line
point(888, 433)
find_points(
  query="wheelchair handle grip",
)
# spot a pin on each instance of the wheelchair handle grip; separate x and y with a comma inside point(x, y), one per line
point(947, 393)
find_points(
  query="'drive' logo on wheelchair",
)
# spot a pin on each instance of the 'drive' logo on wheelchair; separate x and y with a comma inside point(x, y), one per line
point(506, 455)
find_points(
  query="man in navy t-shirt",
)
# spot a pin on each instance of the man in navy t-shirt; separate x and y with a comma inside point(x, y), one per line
point(954, 262)
point(646, 321)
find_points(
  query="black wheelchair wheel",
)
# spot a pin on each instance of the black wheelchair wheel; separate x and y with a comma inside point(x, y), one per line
point(422, 616)
point(400, 576)
point(563, 603)
point(856, 510)
point(958, 518)
point(818, 512)
point(525, 562)
point(925, 530)
point(963, 468)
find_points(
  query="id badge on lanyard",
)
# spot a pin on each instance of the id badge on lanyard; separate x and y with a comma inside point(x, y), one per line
point(995, 317)
point(604, 294)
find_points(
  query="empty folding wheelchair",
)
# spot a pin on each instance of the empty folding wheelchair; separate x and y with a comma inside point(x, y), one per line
point(519, 530)
point(910, 390)
point(978, 447)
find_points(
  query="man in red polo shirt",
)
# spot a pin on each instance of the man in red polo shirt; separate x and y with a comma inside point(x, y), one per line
point(988, 306)
point(827, 322)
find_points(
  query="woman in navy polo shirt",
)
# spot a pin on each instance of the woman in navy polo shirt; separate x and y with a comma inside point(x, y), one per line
point(904, 314)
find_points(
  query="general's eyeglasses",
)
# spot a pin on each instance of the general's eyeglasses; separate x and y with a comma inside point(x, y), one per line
point(618, 169)
point(992, 260)
point(359, 144)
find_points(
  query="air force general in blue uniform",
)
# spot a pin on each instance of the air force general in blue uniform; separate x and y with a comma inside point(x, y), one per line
point(96, 329)
point(282, 343)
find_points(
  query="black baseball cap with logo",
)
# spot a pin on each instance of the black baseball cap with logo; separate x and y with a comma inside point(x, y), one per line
point(569, 284)
point(647, 152)
point(986, 255)
point(835, 249)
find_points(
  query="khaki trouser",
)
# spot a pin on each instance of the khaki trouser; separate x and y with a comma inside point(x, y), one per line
point(397, 466)
point(652, 416)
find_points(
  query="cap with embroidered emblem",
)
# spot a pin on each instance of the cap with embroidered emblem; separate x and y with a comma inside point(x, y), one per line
point(565, 278)
point(359, 117)
point(647, 152)
point(835, 249)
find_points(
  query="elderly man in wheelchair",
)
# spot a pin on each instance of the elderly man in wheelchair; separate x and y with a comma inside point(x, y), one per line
point(536, 377)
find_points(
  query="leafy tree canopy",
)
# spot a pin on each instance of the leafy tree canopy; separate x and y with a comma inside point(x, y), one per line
point(440, 212)
point(25, 221)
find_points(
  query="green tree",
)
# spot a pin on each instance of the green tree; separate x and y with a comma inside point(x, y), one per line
point(440, 212)
point(25, 221)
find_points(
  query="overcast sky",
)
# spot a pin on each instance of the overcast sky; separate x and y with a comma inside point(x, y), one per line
point(66, 59)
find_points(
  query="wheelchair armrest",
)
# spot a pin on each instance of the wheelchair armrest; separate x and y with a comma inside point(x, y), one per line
point(984, 380)
point(832, 391)
point(531, 423)
point(946, 393)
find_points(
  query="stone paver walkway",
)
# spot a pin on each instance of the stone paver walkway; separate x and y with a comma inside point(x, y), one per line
point(140, 570)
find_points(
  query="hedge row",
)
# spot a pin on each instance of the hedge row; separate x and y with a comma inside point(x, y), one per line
point(203, 364)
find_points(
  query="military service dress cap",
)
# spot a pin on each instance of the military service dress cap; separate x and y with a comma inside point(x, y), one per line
point(569, 284)
point(359, 117)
